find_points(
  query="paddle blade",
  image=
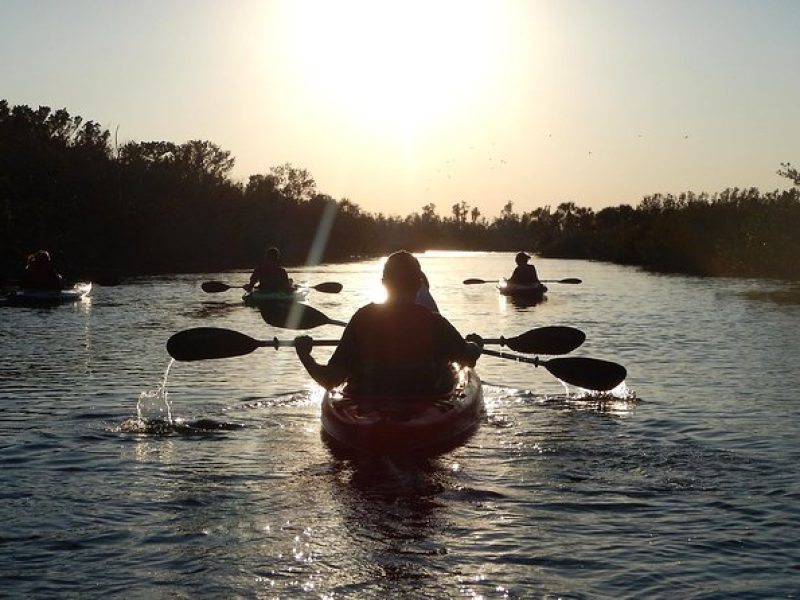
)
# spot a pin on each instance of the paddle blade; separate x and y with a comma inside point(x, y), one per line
point(202, 343)
point(329, 287)
point(294, 315)
point(212, 287)
point(547, 340)
point(587, 373)
point(474, 281)
point(573, 280)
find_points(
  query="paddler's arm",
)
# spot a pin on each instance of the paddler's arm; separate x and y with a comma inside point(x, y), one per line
point(456, 348)
point(253, 280)
point(328, 376)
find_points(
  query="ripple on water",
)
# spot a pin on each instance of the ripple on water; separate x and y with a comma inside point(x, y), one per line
point(692, 492)
point(177, 426)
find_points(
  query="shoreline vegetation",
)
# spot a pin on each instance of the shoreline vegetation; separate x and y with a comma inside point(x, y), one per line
point(143, 208)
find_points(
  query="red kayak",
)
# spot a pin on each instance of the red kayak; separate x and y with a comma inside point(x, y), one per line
point(405, 426)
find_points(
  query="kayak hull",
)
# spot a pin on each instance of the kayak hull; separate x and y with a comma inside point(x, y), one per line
point(417, 426)
point(533, 292)
point(259, 298)
point(34, 297)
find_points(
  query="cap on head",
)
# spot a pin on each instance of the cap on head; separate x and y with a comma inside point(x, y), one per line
point(402, 271)
point(522, 258)
point(273, 253)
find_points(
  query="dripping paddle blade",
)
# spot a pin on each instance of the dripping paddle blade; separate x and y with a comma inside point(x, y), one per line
point(587, 373)
point(212, 287)
point(547, 340)
point(203, 343)
point(329, 287)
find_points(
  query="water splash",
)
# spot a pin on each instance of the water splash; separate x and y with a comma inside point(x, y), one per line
point(154, 416)
point(156, 400)
point(150, 410)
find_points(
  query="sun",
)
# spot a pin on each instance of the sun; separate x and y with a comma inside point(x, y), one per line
point(395, 67)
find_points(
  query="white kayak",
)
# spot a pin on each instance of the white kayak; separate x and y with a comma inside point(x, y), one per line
point(36, 297)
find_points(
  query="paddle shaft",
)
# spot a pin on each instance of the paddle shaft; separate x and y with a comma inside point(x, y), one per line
point(571, 280)
point(276, 343)
point(526, 359)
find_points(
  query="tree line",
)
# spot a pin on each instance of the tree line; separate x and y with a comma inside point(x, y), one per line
point(157, 207)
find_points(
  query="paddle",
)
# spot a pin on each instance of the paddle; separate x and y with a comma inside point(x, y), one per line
point(201, 343)
point(572, 280)
point(542, 340)
point(586, 373)
point(294, 315)
point(213, 287)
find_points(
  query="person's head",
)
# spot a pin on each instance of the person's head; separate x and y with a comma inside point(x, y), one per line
point(39, 257)
point(273, 254)
point(522, 258)
point(402, 275)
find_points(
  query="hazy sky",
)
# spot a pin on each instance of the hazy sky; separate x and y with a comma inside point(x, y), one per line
point(394, 105)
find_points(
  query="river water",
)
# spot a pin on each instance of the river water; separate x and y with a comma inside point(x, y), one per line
point(684, 484)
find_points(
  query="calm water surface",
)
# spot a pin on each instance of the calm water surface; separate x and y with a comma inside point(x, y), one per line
point(685, 485)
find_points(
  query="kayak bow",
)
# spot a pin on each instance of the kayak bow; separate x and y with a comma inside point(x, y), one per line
point(415, 426)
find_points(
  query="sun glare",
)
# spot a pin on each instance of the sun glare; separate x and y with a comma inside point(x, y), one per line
point(377, 293)
point(395, 68)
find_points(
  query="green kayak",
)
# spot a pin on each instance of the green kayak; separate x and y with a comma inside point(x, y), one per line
point(259, 297)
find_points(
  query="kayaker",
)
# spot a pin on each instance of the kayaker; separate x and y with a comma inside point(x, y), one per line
point(269, 276)
point(524, 274)
point(397, 348)
point(40, 273)
point(424, 297)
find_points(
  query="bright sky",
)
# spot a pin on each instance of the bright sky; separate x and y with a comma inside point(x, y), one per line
point(395, 105)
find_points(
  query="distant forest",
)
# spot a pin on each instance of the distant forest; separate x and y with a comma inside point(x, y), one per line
point(161, 207)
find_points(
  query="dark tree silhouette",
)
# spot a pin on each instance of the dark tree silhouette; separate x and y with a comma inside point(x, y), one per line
point(158, 206)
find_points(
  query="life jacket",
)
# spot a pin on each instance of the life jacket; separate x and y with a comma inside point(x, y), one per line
point(272, 278)
point(524, 274)
point(41, 274)
point(397, 351)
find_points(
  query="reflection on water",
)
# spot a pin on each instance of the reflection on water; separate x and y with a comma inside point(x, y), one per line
point(519, 302)
point(213, 309)
point(785, 295)
point(109, 485)
point(178, 426)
